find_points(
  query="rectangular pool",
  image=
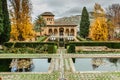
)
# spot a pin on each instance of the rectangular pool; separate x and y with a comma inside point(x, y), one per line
point(97, 64)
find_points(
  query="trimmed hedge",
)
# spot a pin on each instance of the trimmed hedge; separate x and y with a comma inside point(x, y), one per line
point(109, 44)
point(27, 44)
point(31, 47)
point(71, 49)
point(51, 49)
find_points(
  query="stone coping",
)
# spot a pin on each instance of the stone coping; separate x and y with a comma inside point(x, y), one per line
point(19, 73)
point(45, 56)
point(24, 73)
point(97, 71)
point(36, 56)
point(91, 56)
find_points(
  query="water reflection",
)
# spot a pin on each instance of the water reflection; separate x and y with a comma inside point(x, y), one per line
point(97, 64)
point(24, 65)
point(4, 65)
point(113, 60)
point(21, 65)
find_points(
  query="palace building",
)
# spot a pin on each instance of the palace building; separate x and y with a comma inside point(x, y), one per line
point(58, 30)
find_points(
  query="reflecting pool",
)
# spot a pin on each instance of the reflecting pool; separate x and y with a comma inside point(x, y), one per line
point(97, 64)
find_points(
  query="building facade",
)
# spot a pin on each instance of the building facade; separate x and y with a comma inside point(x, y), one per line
point(57, 30)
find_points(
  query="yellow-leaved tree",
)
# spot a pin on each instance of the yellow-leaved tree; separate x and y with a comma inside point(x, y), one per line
point(22, 28)
point(111, 28)
point(99, 28)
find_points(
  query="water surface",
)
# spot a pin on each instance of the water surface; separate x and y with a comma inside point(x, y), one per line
point(97, 64)
point(40, 65)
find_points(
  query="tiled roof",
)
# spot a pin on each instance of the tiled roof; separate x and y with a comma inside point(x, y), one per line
point(47, 14)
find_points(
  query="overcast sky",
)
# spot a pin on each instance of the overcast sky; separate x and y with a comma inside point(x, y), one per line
point(66, 7)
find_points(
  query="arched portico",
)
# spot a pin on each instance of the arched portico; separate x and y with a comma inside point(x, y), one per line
point(55, 32)
point(50, 32)
point(61, 31)
point(67, 32)
point(72, 32)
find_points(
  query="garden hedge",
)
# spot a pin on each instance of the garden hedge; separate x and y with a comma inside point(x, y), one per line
point(71, 49)
point(27, 44)
point(51, 49)
point(109, 44)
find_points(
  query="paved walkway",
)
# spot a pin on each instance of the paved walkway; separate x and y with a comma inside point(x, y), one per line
point(66, 65)
point(46, 39)
point(76, 40)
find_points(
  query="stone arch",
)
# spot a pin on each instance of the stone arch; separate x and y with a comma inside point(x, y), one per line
point(72, 32)
point(61, 31)
point(50, 32)
point(67, 32)
point(55, 31)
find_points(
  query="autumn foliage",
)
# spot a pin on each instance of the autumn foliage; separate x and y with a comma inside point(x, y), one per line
point(99, 28)
point(22, 28)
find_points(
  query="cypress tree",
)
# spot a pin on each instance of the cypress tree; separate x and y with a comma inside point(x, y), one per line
point(1, 19)
point(84, 23)
point(5, 36)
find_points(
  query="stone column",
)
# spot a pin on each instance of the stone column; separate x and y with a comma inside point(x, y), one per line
point(75, 32)
point(58, 31)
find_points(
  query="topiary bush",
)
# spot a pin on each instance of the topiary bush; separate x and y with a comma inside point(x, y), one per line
point(71, 48)
point(51, 49)
point(27, 44)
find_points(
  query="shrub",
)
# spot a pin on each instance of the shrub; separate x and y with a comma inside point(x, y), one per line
point(71, 48)
point(51, 49)
point(30, 47)
point(27, 44)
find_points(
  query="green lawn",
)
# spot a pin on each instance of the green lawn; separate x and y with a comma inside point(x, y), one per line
point(93, 76)
point(30, 76)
